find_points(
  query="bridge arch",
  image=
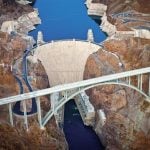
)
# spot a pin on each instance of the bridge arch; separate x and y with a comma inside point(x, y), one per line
point(65, 99)
point(117, 79)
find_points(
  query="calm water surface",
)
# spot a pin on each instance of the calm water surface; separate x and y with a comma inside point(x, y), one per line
point(79, 136)
point(65, 19)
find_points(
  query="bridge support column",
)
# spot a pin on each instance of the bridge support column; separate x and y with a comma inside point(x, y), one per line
point(25, 114)
point(11, 114)
point(59, 115)
point(39, 112)
point(86, 109)
point(140, 82)
point(149, 85)
point(141, 78)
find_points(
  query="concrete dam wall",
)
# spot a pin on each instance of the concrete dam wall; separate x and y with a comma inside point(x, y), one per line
point(64, 61)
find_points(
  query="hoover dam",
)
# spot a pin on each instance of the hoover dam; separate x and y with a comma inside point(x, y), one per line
point(68, 81)
point(65, 60)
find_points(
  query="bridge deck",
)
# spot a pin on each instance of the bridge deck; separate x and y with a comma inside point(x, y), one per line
point(74, 85)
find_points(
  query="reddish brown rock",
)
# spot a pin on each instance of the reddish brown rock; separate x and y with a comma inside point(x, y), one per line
point(11, 48)
point(127, 112)
point(11, 53)
point(12, 12)
point(134, 52)
point(50, 138)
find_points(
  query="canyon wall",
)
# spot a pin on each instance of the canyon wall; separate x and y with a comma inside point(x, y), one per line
point(127, 124)
point(15, 22)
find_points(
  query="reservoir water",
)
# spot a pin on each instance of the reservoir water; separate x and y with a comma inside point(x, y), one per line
point(68, 19)
point(65, 19)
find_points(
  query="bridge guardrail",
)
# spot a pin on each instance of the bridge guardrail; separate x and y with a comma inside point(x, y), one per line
point(68, 86)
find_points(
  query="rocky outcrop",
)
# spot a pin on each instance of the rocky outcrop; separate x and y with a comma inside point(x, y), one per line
point(127, 113)
point(123, 17)
point(27, 22)
point(22, 26)
point(12, 12)
point(106, 26)
point(127, 124)
point(22, 20)
point(95, 9)
point(11, 48)
point(50, 138)
point(133, 52)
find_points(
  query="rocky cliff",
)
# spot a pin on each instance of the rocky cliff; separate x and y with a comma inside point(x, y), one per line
point(12, 11)
point(13, 45)
point(127, 123)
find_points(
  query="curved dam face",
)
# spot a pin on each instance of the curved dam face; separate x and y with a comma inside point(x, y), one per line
point(64, 61)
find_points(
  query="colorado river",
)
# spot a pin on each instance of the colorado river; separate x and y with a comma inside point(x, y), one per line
point(68, 19)
point(79, 136)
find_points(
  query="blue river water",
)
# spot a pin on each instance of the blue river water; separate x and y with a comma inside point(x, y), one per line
point(65, 19)
point(79, 136)
point(68, 19)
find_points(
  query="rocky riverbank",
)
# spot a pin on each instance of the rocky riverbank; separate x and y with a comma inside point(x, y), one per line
point(126, 48)
point(15, 22)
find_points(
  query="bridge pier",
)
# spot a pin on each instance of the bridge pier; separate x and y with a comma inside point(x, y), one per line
point(149, 85)
point(85, 108)
point(11, 114)
point(25, 114)
point(60, 117)
point(39, 112)
point(59, 114)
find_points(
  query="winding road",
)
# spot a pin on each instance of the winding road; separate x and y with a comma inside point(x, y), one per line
point(16, 108)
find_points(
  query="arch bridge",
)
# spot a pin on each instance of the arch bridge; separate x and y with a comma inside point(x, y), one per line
point(70, 90)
